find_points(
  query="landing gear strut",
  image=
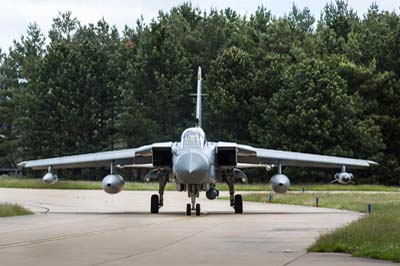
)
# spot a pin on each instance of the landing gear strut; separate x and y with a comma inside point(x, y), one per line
point(235, 200)
point(157, 201)
point(193, 193)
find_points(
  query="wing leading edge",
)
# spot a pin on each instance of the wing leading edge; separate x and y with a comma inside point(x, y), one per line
point(137, 157)
point(259, 156)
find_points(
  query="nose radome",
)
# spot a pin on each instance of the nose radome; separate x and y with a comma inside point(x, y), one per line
point(191, 167)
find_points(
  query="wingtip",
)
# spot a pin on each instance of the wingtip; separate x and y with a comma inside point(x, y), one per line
point(372, 163)
point(21, 164)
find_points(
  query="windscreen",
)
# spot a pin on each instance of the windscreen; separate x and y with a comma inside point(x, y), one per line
point(192, 139)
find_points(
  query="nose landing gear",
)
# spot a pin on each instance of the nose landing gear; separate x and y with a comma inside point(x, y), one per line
point(189, 209)
point(193, 193)
point(198, 209)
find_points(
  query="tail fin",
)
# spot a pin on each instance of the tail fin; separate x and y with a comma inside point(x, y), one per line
point(198, 99)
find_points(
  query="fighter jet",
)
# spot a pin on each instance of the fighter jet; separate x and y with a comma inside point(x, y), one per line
point(194, 164)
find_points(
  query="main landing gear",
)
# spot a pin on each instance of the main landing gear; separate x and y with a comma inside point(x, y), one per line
point(154, 203)
point(238, 204)
point(236, 200)
point(157, 201)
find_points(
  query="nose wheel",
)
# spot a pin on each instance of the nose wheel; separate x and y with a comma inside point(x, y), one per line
point(189, 209)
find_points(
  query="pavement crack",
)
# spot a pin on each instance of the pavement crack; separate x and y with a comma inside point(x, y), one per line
point(38, 241)
point(295, 259)
point(156, 249)
point(146, 251)
point(71, 236)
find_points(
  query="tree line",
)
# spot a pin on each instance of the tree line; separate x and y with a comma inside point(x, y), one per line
point(329, 86)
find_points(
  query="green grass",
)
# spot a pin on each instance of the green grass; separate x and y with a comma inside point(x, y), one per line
point(10, 209)
point(338, 187)
point(23, 182)
point(12, 182)
point(375, 236)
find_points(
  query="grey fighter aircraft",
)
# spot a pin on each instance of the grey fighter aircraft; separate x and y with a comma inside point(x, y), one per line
point(194, 164)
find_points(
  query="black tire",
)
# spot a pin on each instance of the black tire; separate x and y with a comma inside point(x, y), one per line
point(198, 209)
point(154, 204)
point(188, 209)
point(238, 204)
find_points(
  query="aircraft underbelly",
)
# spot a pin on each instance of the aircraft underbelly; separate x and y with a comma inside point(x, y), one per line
point(194, 180)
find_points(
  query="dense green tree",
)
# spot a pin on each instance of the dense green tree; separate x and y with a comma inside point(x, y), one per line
point(6, 110)
point(271, 81)
point(74, 99)
point(134, 127)
point(337, 21)
point(161, 84)
point(18, 69)
point(230, 86)
point(312, 112)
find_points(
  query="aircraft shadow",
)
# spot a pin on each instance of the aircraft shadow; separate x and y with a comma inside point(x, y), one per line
point(211, 213)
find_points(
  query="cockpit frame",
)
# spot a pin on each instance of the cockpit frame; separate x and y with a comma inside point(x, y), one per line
point(193, 138)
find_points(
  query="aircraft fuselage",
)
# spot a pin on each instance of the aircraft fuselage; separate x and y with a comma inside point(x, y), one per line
point(193, 158)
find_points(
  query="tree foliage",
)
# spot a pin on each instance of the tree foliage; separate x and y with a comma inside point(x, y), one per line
point(277, 82)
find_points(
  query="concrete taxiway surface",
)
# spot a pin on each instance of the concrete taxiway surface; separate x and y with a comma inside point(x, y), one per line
point(81, 227)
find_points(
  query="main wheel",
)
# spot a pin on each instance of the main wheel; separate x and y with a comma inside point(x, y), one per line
point(188, 209)
point(238, 204)
point(198, 209)
point(155, 201)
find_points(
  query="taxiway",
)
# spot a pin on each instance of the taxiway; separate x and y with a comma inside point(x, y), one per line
point(84, 227)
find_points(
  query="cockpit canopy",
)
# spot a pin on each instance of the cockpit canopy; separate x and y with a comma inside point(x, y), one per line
point(193, 138)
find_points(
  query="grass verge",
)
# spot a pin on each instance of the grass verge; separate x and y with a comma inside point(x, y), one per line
point(338, 187)
point(23, 182)
point(11, 209)
point(375, 236)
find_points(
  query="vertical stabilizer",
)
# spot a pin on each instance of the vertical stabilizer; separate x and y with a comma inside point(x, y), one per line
point(198, 99)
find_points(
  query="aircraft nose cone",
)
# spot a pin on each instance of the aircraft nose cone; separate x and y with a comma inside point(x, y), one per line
point(191, 167)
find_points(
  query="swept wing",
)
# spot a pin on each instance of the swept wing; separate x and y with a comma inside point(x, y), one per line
point(136, 157)
point(248, 156)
